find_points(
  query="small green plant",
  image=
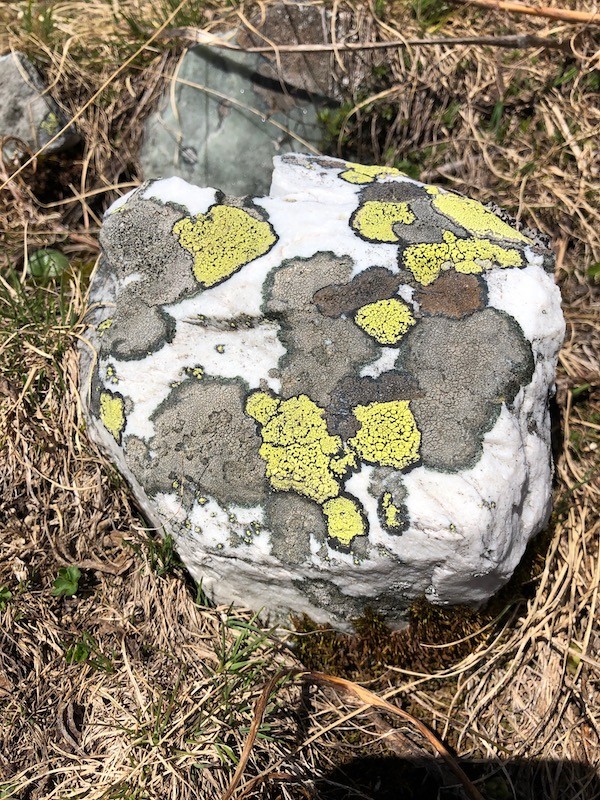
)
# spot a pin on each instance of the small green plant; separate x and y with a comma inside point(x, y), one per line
point(46, 264)
point(5, 596)
point(67, 582)
point(160, 552)
point(431, 14)
point(87, 650)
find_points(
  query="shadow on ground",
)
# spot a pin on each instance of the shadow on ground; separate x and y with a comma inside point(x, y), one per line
point(392, 778)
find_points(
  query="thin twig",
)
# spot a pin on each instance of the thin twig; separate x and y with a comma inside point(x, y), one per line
point(525, 40)
point(370, 700)
point(562, 14)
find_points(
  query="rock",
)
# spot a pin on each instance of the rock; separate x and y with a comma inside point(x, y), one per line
point(332, 397)
point(27, 112)
point(226, 114)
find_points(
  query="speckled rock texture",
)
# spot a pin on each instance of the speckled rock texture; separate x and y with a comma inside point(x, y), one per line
point(332, 397)
point(27, 112)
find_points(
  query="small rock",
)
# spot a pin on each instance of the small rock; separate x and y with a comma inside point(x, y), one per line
point(27, 112)
point(227, 113)
point(332, 397)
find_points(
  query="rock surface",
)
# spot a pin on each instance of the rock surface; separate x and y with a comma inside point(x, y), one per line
point(226, 114)
point(332, 397)
point(27, 112)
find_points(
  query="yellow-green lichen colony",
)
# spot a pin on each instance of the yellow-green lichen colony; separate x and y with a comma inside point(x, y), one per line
point(388, 434)
point(385, 320)
point(426, 261)
point(375, 220)
point(222, 241)
point(362, 174)
point(112, 413)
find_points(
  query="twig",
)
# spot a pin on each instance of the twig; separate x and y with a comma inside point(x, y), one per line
point(369, 699)
point(524, 40)
point(562, 14)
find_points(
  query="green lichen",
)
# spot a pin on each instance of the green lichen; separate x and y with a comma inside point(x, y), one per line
point(344, 520)
point(300, 453)
point(392, 514)
point(473, 255)
point(388, 434)
point(112, 414)
point(361, 174)
point(474, 217)
point(222, 241)
point(385, 320)
point(375, 220)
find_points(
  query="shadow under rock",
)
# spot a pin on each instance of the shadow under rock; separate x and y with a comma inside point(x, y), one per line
point(393, 778)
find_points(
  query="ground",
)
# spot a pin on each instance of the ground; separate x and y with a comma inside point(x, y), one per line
point(116, 679)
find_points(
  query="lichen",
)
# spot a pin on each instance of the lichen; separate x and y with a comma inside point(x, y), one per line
point(359, 173)
point(344, 520)
point(388, 434)
point(50, 124)
point(112, 414)
point(222, 241)
point(300, 454)
point(474, 217)
point(392, 514)
point(473, 255)
point(385, 320)
point(375, 220)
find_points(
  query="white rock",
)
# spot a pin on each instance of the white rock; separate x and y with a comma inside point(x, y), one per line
point(334, 397)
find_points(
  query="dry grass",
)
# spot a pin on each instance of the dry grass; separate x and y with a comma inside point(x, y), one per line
point(133, 688)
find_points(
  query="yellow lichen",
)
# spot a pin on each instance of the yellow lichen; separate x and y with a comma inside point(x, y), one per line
point(359, 173)
point(344, 520)
point(112, 413)
point(105, 325)
point(223, 240)
point(388, 434)
point(375, 220)
point(392, 514)
point(262, 406)
point(426, 261)
point(300, 453)
point(385, 320)
point(475, 217)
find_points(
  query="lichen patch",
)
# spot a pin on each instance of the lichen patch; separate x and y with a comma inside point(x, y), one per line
point(388, 434)
point(386, 320)
point(222, 241)
point(375, 220)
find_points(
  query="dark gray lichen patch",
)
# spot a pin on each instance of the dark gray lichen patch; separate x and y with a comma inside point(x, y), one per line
point(369, 286)
point(387, 486)
point(466, 369)
point(326, 595)
point(146, 268)
point(203, 441)
point(292, 520)
point(320, 350)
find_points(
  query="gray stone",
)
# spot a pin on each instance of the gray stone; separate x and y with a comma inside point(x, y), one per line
point(27, 112)
point(226, 114)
